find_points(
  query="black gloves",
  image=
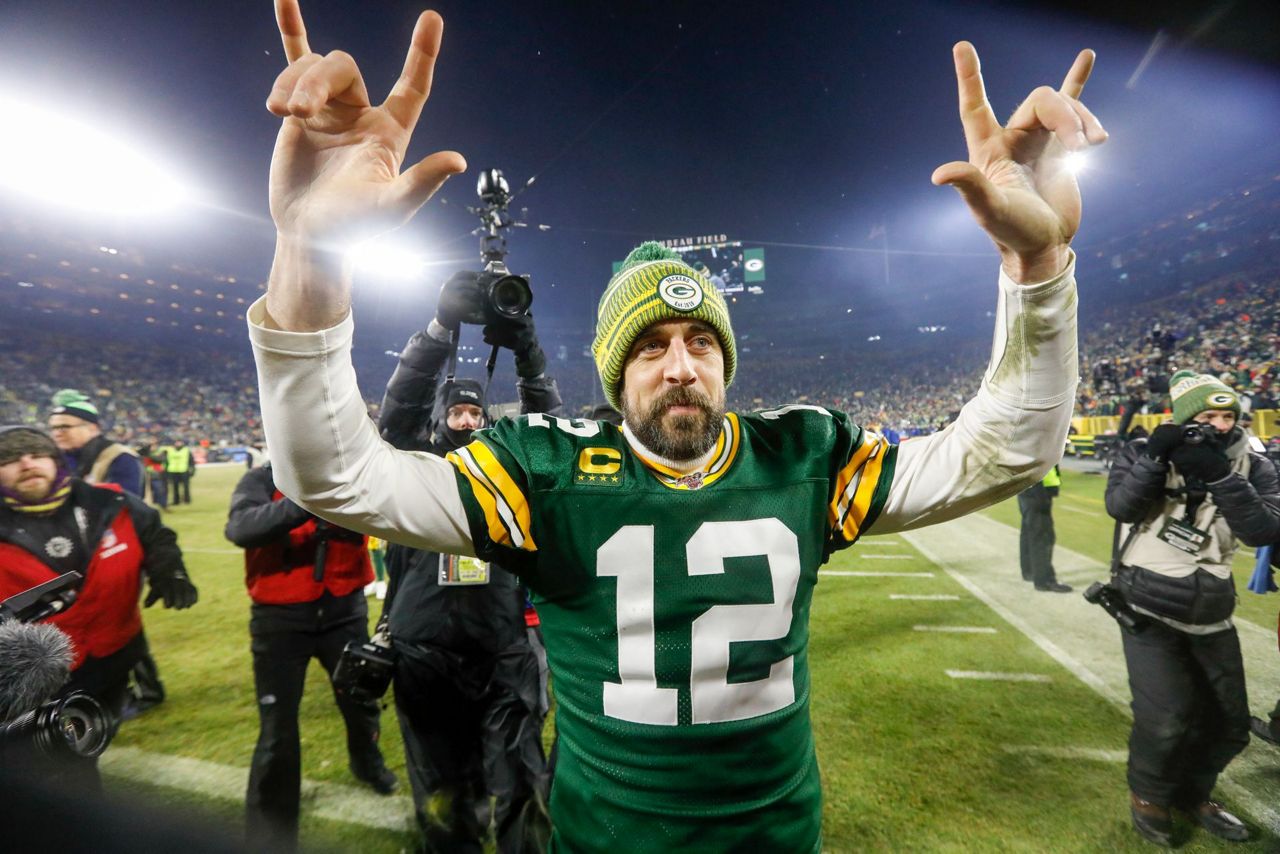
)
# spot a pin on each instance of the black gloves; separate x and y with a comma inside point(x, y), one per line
point(1163, 440)
point(518, 335)
point(175, 589)
point(1200, 461)
point(460, 301)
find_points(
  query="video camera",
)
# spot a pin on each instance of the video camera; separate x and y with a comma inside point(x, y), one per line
point(364, 670)
point(35, 661)
point(1112, 601)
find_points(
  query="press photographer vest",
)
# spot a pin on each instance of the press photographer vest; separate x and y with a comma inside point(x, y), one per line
point(1147, 550)
point(283, 573)
point(105, 616)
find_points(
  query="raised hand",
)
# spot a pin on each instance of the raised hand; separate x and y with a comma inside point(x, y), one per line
point(336, 171)
point(1016, 181)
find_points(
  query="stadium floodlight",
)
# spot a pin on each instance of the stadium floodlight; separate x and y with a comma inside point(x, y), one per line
point(73, 162)
point(382, 260)
point(1077, 161)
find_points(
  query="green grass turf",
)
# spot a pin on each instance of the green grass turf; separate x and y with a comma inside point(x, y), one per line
point(911, 759)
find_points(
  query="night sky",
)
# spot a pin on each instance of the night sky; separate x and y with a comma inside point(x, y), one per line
point(797, 127)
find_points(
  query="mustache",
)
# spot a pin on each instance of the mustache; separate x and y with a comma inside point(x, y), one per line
point(681, 396)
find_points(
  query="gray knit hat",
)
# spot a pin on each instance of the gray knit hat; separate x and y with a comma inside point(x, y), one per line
point(654, 284)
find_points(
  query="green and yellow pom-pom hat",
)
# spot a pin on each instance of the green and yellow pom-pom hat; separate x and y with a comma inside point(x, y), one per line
point(654, 284)
point(1194, 393)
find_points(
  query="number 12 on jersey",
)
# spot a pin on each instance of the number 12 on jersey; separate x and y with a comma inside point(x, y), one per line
point(628, 556)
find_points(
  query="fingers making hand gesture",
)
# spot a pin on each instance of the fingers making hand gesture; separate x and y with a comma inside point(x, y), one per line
point(336, 173)
point(1016, 181)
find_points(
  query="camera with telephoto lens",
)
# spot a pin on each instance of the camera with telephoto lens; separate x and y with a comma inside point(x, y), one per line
point(72, 726)
point(365, 669)
point(504, 294)
point(34, 664)
point(1112, 601)
point(1195, 434)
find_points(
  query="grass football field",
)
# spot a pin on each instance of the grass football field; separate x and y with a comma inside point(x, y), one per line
point(954, 708)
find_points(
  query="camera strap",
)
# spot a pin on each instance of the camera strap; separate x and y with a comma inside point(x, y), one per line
point(452, 368)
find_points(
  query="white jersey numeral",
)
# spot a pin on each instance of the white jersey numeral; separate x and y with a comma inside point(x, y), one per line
point(628, 556)
point(775, 414)
point(585, 429)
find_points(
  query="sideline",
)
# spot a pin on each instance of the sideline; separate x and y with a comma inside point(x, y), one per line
point(333, 801)
point(981, 555)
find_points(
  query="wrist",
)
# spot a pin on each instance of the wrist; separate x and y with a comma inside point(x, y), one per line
point(439, 332)
point(309, 287)
point(1035, 267)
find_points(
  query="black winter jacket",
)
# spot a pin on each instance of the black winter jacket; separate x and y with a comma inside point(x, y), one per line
point(482, 619)
point(1251, 507)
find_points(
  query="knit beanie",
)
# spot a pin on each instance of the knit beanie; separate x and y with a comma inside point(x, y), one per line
point(654, 284)
point(1193, 393)
point(18, 440)
point(68, 401)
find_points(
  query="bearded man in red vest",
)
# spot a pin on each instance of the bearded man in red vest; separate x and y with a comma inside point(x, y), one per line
point(52, 523)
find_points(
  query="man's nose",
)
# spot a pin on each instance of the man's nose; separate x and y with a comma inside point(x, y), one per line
point(678, 365)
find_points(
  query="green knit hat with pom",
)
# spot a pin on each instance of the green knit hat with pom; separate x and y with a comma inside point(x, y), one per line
point(1193, 393)
point(654, 284)
point(68, 401)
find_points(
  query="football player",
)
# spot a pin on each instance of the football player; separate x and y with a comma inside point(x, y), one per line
point(672, 560)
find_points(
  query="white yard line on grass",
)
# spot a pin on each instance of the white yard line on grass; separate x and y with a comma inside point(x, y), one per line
point(884, 557)
point(998, 677)
point(926, 597)
point(1083, 512)
point(854, 574)
point(1090, 753)
point(334, 801)
point(982, 556)
point(959, 630)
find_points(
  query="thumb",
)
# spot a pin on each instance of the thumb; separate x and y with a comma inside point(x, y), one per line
point(979, 194)
point(420, 182)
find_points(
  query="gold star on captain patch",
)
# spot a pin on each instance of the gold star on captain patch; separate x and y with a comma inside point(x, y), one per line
point(591, 477)
point(614, 478)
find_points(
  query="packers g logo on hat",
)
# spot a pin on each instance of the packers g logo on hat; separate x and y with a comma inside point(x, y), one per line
point(1221, 400)
point(680, 292)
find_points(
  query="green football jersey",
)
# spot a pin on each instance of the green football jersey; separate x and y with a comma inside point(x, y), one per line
point(675, 614)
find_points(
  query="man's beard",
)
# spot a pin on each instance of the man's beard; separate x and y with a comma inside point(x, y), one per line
point(686, 437)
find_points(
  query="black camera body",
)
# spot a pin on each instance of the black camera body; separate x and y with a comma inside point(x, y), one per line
point(503, 294)
point(364, 671)
point(1112, 601)
point(1195, 434)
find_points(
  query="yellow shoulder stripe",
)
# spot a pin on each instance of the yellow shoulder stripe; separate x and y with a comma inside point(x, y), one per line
point(839, 501)
point(505, 506)
point(866, 488)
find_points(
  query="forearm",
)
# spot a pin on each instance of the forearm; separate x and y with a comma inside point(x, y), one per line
point(327, 455)
point(1135, 482)
point(1252, 513)
point(1013, 430)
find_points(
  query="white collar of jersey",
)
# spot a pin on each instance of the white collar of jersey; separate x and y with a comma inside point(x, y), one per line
point(695, 473)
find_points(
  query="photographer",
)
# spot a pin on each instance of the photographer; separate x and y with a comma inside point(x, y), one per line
point(467, 687)
point(306, 579)
point(1184, 498)
point(52, 523)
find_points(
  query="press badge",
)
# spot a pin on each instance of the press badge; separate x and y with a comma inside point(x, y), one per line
point(1182, 536)
point(459, 571)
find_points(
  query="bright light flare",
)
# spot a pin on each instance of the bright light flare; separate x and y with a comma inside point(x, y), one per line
point(1077, 162)
point(75, 163)
point(384, 260)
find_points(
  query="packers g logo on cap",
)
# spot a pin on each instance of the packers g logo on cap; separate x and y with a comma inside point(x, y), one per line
point(1221, 400)
point(680, 292)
